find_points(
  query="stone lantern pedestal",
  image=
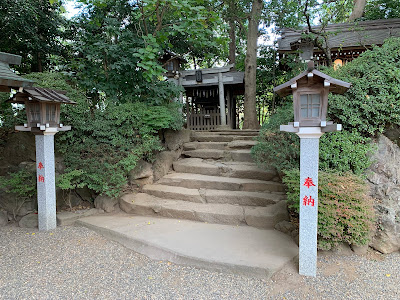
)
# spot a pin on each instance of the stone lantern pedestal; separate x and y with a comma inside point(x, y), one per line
point(46, 186)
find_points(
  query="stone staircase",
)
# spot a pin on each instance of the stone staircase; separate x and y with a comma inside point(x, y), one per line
point(215, 181)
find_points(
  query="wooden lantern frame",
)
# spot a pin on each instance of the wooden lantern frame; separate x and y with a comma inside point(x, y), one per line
point(43, 116)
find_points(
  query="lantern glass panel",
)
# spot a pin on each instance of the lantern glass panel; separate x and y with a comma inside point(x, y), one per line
point(310, 106)
point(34, 109)
point(50, 112)
point(170, 66)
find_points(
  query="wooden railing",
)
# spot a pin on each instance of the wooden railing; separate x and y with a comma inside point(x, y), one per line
point(204, 120)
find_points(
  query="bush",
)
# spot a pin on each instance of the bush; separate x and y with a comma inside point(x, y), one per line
point(372, 103)
point(345, 211)
point(342, 151)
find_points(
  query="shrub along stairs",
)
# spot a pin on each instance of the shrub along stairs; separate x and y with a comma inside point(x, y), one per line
point(218, 195)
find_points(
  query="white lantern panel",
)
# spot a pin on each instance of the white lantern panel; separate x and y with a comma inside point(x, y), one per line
point(310, 105)
point(50, 113)
point(34, 109)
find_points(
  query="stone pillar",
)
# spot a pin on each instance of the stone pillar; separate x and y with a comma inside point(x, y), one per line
point(46, 188)
point(221, 99)
point(309, 157)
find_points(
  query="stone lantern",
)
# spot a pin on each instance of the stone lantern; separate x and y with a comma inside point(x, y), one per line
point(42, 109)
point(310, 92)
point(43, 114)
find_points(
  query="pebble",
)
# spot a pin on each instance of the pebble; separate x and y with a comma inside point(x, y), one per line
point(77, 263)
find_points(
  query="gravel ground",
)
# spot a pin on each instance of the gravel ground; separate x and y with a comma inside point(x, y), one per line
point(76, 263)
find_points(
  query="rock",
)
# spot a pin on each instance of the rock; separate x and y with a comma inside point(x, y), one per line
point(143, 181)
point(3, 218)
point(384, 181)
point(67, 199)
point(106, 203)
point(386, 241)
point(143, 169)
point(285, 227)
point(29, 221)
point(359, 250)
point(19, 147)
point(28, 165)
point(26, 208)
point(174, 140)
point(86, 194)
point(163, 163)
point(10, 204)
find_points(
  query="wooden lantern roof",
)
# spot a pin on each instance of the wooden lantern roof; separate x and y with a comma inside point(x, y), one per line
point(336, 86)
point(8, 79)
point(41, 95)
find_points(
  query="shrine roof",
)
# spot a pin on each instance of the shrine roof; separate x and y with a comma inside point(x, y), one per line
point(346, 35)
point(210, 77)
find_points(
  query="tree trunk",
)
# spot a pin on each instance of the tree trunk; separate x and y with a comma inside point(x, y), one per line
point(232, 42)
point(358, 10)
point(250, 112)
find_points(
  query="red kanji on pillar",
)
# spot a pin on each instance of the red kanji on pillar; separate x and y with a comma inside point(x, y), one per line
point(308, 182)
point(40, 166)
point(308, 201)
point(41, 178)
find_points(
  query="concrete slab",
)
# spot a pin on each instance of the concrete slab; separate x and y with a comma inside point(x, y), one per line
point(240, 250)
point(68, 218)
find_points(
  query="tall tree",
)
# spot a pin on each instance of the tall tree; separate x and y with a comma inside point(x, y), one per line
point(32, 29)
point(358, 9)
point(250, 112)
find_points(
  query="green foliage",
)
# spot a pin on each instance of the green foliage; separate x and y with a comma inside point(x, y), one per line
point(21, 186)
point(71, 180)
point(107, 139)
point(345, 211)
point(276, 149)
point(381, 9)
point(345, 151)
point(372, 103)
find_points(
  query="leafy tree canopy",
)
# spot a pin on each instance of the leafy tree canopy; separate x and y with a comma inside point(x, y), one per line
point(32, 29)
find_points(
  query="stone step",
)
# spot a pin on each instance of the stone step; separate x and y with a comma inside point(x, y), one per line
point(225, 169)
point(237, 144)
point(205, 153)
point(213, 195)
point(228, 132)
point(205, 145)
point(242, 155)
point(198, 181)
point(220, 138)
point(149, 205)
point(239, 250)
